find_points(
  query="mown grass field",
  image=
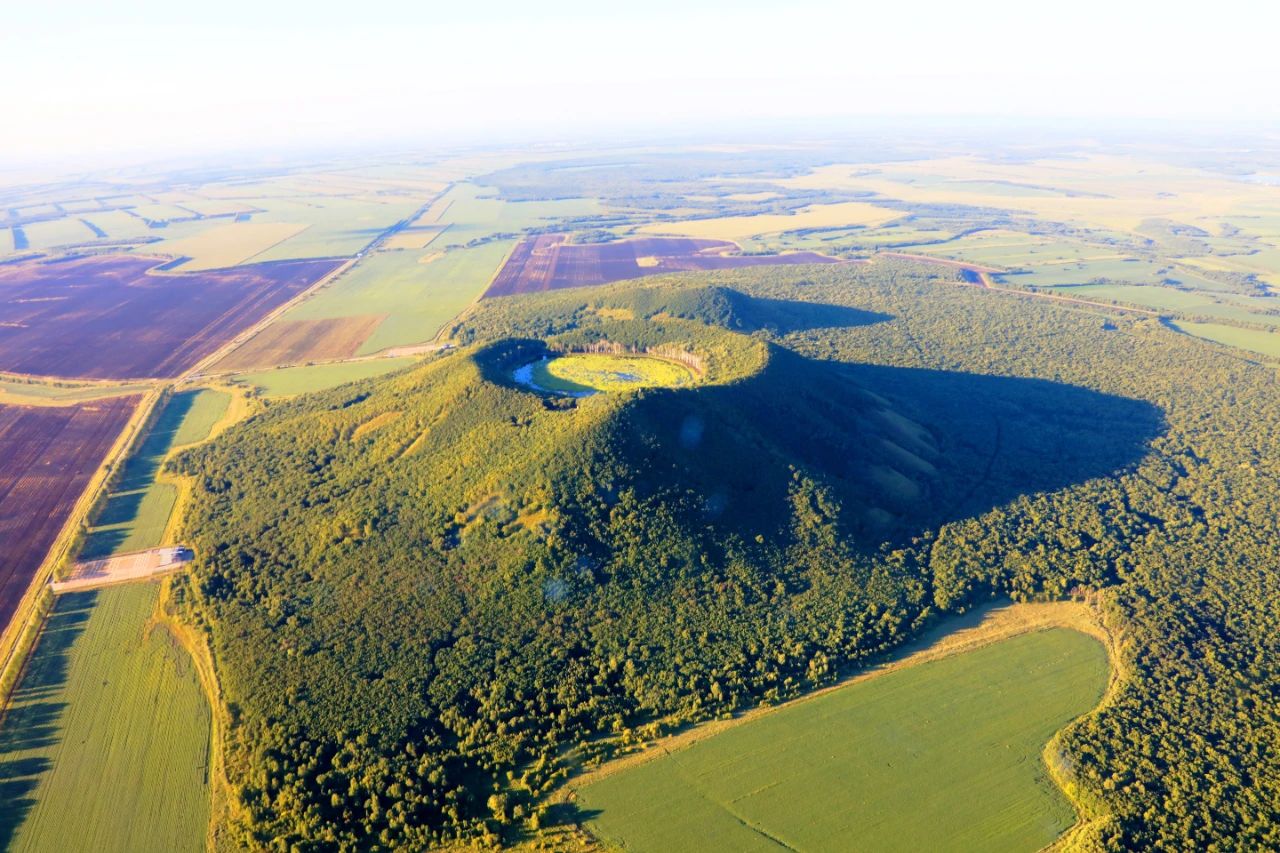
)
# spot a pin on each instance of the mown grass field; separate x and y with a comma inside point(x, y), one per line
point(416, 298)
point(1253, 340)
point(138, 508)
point(943, 755)
point(106, 745)
point(592, 372)
point(290, 381)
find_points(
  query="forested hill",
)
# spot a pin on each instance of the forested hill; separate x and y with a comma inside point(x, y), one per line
point(430, 595)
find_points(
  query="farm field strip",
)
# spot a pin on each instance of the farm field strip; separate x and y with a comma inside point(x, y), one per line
point(291, 381)
point(49, 456)
point(137, 511)
point(107, 739)
point(548, 262)
point(737, 228)
point(414, 300)
point(110, 696)
point(20, 391)
point(891, 761)
point(133, 323)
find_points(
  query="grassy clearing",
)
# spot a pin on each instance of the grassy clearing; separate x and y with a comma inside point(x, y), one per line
point(894, 762)
point(290, 381)
point(1253, 340)
point(106, 745)
point(737, 228)
point(592, 372)
point(417, 299)
point(137, 511)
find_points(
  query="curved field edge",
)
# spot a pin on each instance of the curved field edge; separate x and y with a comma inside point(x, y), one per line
point(949, 637)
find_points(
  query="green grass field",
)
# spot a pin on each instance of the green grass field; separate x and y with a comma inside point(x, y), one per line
point(417, 298)
point(138, 508)
point(106, 745)
point(1193, 303)
point(591, 372)
point(1253, 340)
point(289, 381)
point(944, 755)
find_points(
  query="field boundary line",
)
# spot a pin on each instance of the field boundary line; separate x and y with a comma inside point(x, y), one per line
point(17, 641)
point(983, 626)
point(245, 335)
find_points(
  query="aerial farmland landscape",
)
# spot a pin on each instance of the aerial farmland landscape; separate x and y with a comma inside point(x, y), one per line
point(670, 428)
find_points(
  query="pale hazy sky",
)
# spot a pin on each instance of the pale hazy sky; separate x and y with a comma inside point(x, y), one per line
point(165, 76)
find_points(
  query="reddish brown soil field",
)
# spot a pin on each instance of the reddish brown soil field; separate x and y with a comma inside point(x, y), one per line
point(105, 317)
point(47, 456)
point(547, 262)
point(298, 341)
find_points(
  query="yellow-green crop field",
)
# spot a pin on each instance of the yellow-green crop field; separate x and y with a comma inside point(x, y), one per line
point(106, 744)
point(940, 756)
point(1251, 340)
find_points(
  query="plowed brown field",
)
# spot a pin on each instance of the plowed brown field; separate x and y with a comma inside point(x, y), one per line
point(299, 341)
point(547, 262)
point(47, 456)
point(108, 317)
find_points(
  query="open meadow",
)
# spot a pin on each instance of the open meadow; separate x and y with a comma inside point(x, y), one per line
point(105, 745)
point(590, 372)
point(944, 755)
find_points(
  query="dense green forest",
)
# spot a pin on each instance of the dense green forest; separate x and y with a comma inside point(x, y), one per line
point(430, 596)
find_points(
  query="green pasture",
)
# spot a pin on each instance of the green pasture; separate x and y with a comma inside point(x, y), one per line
point(417, 298)
point(1193, 303)
point(138, 507)
point(106, 744)
point(290, 381)
point(1253, 340)
point(939, 756)
point(52, 233)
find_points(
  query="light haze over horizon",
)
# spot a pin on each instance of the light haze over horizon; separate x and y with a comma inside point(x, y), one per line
point(92, 81)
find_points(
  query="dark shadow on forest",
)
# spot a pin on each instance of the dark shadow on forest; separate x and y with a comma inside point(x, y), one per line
point(903, 450)
point(783, 316)
point(32, 720)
